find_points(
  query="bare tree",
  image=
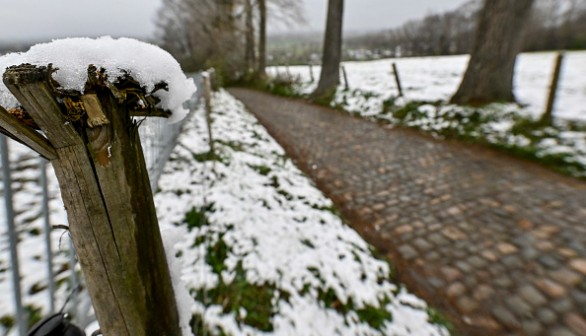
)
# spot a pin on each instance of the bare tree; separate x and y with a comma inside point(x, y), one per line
point(283, 10)
point(204, 33)
point(332, 51)
point(489, 76)
point(250, 56)
point(262, 38)
point(222, 34)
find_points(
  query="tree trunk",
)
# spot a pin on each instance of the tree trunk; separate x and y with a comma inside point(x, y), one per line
point(489, 76)
point(249, 56)
point(262, 37)
point(332, 51)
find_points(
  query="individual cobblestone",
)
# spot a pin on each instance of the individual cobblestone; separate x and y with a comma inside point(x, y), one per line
point(562, 331)
point(576, 323)
point(519, 307)
point(467, 305)
point(505, 317)
point(532, 328)
point(546, 316)
point(532, 296)
point(562, 305)
point(566, 277)
point(456, 289)
point(579, 265)
point(503, 242)
point(408, 252)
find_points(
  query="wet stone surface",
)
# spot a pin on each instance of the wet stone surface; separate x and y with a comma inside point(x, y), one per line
point(497, 244)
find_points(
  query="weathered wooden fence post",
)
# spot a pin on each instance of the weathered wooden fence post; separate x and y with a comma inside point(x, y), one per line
point(345, 75)
point(97, 156)
point(311, 73)
point(207, 96)
point(548, 114)
point(397, 79)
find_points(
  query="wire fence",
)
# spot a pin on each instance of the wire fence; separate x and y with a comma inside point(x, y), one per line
point(32, 208)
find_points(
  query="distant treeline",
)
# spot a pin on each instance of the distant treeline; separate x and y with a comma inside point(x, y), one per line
point(555, 24)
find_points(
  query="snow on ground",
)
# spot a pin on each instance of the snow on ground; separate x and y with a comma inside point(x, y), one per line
point(248, 224)
point(429, 82)
point(263, 228)
point(146, 63)
point(437, 78)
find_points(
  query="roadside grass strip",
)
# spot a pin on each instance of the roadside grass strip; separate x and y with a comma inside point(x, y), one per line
point(260, 251)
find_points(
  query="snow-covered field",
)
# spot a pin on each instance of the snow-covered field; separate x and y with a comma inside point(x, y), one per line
point(257, 248)
point(429, 82)
point(437, 78)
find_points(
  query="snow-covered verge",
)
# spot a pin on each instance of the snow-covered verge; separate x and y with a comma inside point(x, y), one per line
point(261, 250)
point(146, 63)
point(428, 83)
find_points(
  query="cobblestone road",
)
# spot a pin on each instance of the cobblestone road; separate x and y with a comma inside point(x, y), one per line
point(498, 244)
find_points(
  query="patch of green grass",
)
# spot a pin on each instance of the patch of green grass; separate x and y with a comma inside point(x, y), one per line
point(263, 170)
point(196, 218)
point(199, 327)
point(437, 318)
point(374, 316)
point(34, 314)
point(285, 194)
point(250, 303)
point(207, 156)
point(217, 254)
point(329, 208)
point(469, 125)
point(234, 145)
point(275, 182)
point(198, 241)
point(7, 322)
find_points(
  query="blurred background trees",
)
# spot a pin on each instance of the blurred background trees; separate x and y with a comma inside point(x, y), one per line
point(553, 24)
point(229, 35)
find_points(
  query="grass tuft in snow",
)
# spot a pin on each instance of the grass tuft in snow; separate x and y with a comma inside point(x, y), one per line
point(196, 218)
point(438, 318)
point(206, 156)
point(560, 146)
point(251, 304)
point(7, 322)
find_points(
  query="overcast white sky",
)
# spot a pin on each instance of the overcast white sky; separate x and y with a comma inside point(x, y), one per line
point(46, 19)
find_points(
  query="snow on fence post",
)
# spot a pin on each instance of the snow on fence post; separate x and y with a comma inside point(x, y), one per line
point(548, 114)
point(105, 187)
point(397, 79)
